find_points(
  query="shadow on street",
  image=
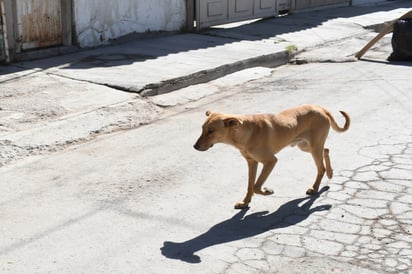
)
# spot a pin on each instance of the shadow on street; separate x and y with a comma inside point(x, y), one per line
point(240, 227)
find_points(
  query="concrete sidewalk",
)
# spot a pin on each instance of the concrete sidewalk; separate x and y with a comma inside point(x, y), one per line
point(164, 63)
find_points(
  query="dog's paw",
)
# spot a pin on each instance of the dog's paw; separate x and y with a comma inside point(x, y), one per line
point(311, 191)
point(264, 191)
point(267, 191)
point(329, 173)
point(241, 205)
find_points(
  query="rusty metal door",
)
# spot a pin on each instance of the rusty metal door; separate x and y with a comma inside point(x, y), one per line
point(39, 23)
point(215, 12)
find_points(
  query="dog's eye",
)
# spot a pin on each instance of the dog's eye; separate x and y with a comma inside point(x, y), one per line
point(210, 131)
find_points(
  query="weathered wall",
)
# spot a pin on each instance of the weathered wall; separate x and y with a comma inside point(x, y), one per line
point(97, 21)
point(9, 19)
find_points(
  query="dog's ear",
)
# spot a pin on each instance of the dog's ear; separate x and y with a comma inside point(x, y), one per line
point(208, 113)
point(232, 122)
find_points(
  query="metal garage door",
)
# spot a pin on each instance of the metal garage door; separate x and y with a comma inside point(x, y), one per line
point(39, 23)
point(303, 5)
point(215, 12)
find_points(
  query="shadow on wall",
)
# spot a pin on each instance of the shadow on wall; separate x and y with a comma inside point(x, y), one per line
point(240, 227)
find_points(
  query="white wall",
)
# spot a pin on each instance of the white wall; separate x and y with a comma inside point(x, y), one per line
point(97, 21)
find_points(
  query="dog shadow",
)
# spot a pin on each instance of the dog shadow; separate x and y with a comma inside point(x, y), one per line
point(240, 227)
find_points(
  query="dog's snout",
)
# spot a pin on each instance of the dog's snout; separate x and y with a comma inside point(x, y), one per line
point(201, 146)
point(196, 146)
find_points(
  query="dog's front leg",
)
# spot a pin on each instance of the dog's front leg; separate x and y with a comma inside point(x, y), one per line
point(268, 166)
point(252, 167)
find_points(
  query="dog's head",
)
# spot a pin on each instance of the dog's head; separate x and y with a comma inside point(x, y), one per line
point(216, 129)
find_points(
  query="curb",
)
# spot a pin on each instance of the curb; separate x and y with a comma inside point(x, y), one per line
point(269, 60)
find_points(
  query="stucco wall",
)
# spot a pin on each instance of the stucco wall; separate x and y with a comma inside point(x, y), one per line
point(97, 21)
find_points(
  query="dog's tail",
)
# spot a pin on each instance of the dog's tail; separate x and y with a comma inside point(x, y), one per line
point(333, 123)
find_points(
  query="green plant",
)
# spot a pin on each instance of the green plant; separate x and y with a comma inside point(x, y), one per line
point(291, 48)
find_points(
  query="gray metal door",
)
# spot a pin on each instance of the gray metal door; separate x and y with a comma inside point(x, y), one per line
point(39, 23)
point(215, 12)
point(304, 5)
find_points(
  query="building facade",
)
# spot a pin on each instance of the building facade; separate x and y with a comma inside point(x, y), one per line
point(39, 24)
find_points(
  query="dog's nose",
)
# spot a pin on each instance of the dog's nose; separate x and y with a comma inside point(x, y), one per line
point(196, 146)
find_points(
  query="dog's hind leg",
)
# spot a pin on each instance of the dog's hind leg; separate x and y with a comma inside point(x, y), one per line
point(317, 155)
point(268, 166)
point(329, 170)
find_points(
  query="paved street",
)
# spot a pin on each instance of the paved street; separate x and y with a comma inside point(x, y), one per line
point(48, 105)
point(145, 201)
point(96, 180)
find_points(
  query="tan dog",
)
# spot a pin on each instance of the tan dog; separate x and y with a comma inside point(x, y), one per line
point(259, 137)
